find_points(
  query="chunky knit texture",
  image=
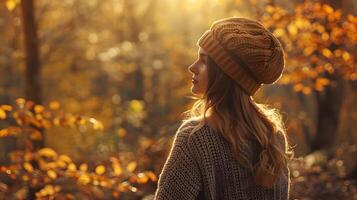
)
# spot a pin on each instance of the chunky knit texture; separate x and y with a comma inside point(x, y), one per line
point(245, 50)
point(201, 166)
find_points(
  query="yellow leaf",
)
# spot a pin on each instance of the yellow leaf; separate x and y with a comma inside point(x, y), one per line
point(133, 189)
point(47, 152)
point(54, 105)
point(124, 186)
point(28, 156)
point(65, 158)
point(11, 4)
point(279, 32)
point(81, 120)
point(298, 87)
point(2, 114)
point(269, 9)
point(83, 167)
point(309, 50)
point(346, 56)
point(121, 132)
point(100, 169)
point(97, 125)
point(337, 52)
point(142, 178)
point(39, 108)
point(117, 169)
point(4, 132)
point(51, 165)
point(57, 121)
point(284, 80)
point(328, 9)
point(72, 167)
point(35, 135)
point(48, 190)
point(325, 36)
point(28, 167)
point(52, 174)
point(84, 179)
point(292, 29)
point(11, 130)
point(131, 166)
point(6, 107)
point(61, 164)
point(20, 101)
point(323, 81)
point(46, 123)
point(25, 178)
point(152, 176)
point(327, 53)
point(136, 105)
point(306, 90)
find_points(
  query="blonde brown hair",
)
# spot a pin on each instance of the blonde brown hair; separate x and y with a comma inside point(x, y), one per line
point(239, 119)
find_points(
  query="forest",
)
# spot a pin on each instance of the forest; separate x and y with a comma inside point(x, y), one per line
point(93, 91)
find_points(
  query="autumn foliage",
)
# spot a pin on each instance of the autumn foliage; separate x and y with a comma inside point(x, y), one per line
point(126, 62)
point(55, 175)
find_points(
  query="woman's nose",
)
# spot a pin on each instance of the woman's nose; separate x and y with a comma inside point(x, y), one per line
point(192, 69)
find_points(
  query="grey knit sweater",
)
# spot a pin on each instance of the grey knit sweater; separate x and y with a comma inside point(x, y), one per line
point(203, 168)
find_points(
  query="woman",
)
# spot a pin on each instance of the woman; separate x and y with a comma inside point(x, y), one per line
point(230, 147)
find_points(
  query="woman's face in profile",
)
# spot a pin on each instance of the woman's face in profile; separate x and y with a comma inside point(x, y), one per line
point(199, 73)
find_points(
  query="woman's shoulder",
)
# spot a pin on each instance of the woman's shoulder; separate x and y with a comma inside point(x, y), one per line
point(194, 129)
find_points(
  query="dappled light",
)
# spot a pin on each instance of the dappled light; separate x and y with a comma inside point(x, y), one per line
point(92, 92)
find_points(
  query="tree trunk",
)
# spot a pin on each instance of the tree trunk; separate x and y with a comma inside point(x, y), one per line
point(329, 103)
point(33, 90)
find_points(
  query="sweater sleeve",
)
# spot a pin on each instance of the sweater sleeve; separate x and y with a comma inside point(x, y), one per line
point(180, 177)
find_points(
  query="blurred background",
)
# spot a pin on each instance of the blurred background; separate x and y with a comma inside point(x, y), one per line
point(92, 92)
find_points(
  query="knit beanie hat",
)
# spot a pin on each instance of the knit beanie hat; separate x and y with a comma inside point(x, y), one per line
point(245, 50)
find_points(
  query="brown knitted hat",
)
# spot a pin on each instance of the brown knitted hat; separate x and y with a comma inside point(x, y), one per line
point(245, 50)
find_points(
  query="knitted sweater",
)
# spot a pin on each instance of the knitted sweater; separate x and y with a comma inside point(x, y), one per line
point(203, 168)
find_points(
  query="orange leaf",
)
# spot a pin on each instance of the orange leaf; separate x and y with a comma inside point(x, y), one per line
point(117, 169)
point(35, 135)
point(72, 167)
point(131, 166)
point(100, 169)
point(28, 167)
point(52, 174)
point(142, 178)
point(47, 152)
point(84, 179)
point(328, 9)
point(54, 105)
point(306, 90)
point(39, 108)
point(83, 167)
point(152, 176)
point(298, 87)
point(327, 53)
point(2, 114)
point(6, 107)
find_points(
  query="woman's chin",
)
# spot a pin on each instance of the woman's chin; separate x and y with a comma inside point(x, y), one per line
point(195, 91)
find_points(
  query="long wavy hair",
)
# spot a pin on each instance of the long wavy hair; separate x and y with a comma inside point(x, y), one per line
point(239, 119)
